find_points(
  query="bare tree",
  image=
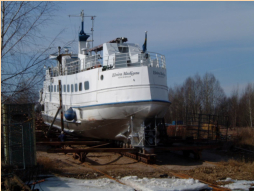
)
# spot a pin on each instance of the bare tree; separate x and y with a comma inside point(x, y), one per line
point(212, 93)
point(247, 106)
point(24, 49)
point(197, 95)
point(177, 108)
point(193, 88)
point(233, 110)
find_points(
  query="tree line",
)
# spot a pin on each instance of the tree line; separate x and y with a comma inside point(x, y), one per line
point(204, 95)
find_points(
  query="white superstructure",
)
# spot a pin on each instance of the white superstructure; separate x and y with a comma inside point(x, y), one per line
point(109, 92)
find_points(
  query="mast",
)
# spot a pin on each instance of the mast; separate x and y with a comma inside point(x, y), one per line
point(82, 35)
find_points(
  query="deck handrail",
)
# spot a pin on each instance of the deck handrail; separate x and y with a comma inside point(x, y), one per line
point(116, 60)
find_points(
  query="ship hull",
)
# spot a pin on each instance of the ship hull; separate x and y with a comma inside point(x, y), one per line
point(112, 121)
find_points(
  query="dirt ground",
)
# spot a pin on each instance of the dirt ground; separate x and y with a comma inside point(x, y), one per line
point(99, 165)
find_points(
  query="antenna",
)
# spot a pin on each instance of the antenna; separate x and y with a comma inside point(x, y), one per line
point(82, 15)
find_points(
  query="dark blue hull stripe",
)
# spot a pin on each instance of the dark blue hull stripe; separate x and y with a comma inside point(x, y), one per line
point(116, 103)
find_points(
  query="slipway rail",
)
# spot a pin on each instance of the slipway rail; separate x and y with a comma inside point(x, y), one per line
point(117, 150)
point(58, 143)
point(146, 155)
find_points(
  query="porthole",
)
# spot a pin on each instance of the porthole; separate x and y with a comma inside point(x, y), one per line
point(102, 77)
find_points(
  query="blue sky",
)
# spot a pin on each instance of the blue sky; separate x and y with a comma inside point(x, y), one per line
point(195, 37)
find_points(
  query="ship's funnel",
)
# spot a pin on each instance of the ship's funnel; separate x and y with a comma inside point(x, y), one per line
point(82, 35)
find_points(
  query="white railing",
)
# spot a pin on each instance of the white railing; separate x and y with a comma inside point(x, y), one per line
point(90, 62)
point(122, 60)
point(117, 60)
point(72, 68)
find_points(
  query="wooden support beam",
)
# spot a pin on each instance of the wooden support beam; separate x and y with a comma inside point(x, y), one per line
point(53, 120)
point(61, 103)
point(21, 183)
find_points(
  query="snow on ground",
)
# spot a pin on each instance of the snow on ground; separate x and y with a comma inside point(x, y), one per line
point(156, 184)
point(64, 184)
point(132, 182)
point(239, 184)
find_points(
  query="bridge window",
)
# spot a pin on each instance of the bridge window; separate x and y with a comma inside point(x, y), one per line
point(54, 88)
point(64, 88)
point(72, 88)
point(68, 88)
point(76, 87)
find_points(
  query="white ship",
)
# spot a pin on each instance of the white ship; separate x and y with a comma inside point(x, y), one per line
point(112, 88)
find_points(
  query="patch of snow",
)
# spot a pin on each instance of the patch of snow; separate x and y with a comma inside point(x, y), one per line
point(239, 184)
point(229, 180)
point(160, 184)
point(64, 184)
point(131, 183)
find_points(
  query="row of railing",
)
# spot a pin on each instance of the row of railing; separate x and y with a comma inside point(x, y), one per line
point(117, 60)
point(122, 60)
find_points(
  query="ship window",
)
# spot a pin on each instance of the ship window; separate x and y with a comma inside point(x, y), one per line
point(49, 88)
point(76, 87)
point(71, 87)
point(54, 88)
point(57, 88)
point(68, 88)
point(80, 86)
point(86, 85)
point(102, 77)
point(123, 49)
point(64, 88)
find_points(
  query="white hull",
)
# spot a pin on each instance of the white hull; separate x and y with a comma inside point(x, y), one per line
point(142, 96)
point(115, 119)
